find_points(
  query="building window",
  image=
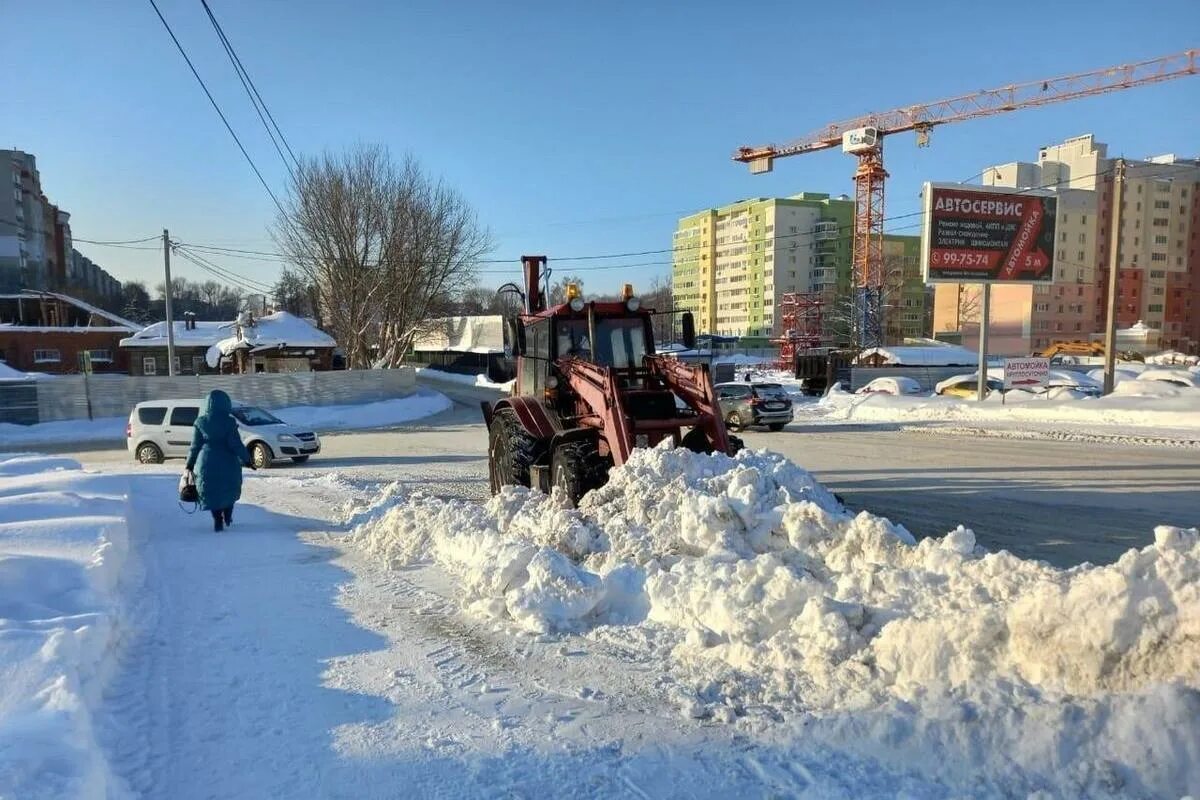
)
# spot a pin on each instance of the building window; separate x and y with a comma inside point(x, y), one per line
point(149, 365)
point(1155, 308)
point(46, 356)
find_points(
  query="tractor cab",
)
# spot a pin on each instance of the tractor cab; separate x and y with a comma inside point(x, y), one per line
point(589, 389)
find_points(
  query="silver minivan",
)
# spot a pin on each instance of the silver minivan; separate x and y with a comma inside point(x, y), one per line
point(162, 429)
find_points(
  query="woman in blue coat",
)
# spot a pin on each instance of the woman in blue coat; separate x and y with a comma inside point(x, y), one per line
point(217, 456)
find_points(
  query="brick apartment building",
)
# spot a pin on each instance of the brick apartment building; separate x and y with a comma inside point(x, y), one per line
point(54, 333)
point(1159, 254)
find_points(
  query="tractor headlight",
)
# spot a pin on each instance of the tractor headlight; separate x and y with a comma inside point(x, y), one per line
point(577, 304)
point(633, 304)
point(551, 382)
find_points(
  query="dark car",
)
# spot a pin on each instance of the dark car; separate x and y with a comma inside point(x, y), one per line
point(746, 404)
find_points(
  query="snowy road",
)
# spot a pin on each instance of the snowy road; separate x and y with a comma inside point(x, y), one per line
point(1065, 502)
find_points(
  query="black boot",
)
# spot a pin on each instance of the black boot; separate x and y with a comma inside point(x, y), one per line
point(228, 513)
point(218, 521)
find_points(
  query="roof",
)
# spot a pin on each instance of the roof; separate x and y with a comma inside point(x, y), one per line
point(942, 356)
point(117, 322)
point(280, 329)
point(467, 334)
point(205, 334)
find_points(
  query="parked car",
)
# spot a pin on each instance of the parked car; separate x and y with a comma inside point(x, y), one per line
point(898, 385)
point(966, 386)
point(162, 429)
point(745, 404)
point(1175, 377)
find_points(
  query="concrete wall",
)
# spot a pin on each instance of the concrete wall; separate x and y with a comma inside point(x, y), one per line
point(69, 397)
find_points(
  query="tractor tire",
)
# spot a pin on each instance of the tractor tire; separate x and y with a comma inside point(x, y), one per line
point(576, 468)
point(736, 445)
point(696, 441)
point(511, 451)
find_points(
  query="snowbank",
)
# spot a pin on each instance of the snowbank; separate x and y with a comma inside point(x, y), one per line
point(1136, 406)
point(63, 544)
point(756, 589)
point(464, 380)
point(323, 418)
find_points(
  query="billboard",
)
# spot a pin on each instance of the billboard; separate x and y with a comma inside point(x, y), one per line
point(987, 235)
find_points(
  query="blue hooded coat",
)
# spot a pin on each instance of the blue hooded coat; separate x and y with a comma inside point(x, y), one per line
point(217, 454)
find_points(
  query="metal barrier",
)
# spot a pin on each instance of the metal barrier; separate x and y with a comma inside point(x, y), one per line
point(84, 397)
point(18, 402)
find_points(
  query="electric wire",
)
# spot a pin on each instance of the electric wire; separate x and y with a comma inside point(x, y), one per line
point(217, 108)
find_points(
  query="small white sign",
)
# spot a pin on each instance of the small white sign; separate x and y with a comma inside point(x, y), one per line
point(1026, 373)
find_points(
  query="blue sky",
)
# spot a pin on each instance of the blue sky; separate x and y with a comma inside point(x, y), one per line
point(573, 128)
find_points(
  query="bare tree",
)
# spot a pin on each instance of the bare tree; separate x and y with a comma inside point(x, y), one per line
point(968, 303)
point(385, 245)
point(292, 294)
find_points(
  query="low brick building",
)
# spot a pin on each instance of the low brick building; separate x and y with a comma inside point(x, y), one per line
point(58, 334)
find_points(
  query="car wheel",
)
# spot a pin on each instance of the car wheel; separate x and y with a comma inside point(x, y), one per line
point(260, 455)
point(299, 459)
point(734, 422)
point(148, 453)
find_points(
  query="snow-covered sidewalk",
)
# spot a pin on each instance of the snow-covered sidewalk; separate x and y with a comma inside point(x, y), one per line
point(1135, 411)
point(323, 419)
point(702, 627)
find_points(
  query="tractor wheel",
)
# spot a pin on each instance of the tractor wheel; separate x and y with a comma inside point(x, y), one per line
point(576, 468)
point(511, 451)
point(696, 441)
point(736, 445)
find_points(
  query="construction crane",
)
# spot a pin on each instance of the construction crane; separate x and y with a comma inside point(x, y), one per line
point(863, 137)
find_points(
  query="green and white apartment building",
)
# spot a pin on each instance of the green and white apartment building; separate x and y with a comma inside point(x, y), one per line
point(733, 264)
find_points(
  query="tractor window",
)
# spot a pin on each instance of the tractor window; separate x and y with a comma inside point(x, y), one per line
point(621, 342)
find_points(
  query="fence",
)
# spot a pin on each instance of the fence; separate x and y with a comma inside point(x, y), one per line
point(80, 396)
point(496, 366)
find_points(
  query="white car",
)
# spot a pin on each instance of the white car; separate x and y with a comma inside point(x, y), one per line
point(162, 429)
point(897, 385)
point(1175, 377)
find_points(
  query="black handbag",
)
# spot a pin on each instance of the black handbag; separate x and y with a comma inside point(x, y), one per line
point(187, 490)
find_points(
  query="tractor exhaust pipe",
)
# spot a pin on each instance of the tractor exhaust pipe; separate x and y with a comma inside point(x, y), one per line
point(535, 300)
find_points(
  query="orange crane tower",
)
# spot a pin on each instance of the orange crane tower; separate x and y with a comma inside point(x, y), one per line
point(863, 137)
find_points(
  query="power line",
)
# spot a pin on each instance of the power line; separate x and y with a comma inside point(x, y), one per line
point(245, 282)
point(217, 108)
point(251, 91)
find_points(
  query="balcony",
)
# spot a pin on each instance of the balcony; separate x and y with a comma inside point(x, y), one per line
point(826, 231)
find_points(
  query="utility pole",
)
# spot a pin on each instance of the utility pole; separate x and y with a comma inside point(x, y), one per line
point(167, 293)
point(1110, 331)
point(984, 312)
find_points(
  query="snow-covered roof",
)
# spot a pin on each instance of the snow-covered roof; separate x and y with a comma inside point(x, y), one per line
point(942, 356)
point(1172, 357)
point(473, 334)
point(116, 322)
point(205, 334)
point(280, 329)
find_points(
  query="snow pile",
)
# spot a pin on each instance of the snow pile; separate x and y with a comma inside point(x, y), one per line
point(757, 590)
point(1135, 406)
point(63, 545)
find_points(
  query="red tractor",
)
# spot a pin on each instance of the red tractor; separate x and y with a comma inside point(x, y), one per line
point(589, 389)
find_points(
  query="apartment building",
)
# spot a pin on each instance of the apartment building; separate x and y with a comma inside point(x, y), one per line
point(1159, 278)
point(732, 266)
point(36, 248)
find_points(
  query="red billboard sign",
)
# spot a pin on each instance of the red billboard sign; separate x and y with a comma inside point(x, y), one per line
point(987, 235)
